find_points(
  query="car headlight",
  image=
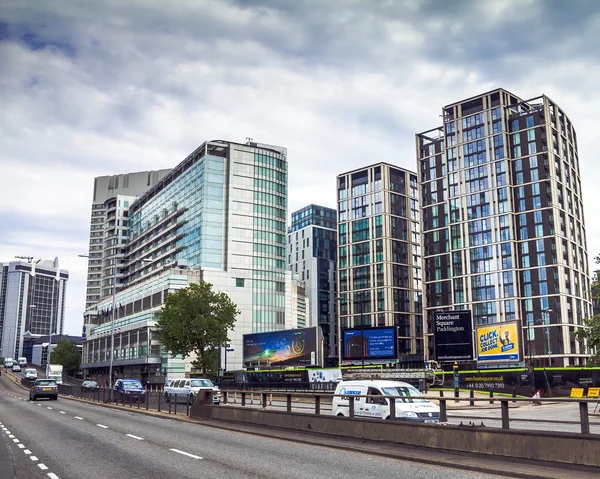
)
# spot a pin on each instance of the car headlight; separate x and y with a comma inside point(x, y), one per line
point(410, 414)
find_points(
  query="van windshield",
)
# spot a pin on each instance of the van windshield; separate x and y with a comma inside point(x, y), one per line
point(409, 393)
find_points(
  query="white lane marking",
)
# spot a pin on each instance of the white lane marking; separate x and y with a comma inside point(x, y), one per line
point(43, 467)
point(10, 436)
point(27, 451)
point(102, 426)
point(62, 412)
point(51, 475)
point(48, 407)
point(7, 431)
point(15, 440)
point(135, 437)
point(33, 458)
point(39, 404)
point(21, 445)
point(80, 418)
point(185, 453)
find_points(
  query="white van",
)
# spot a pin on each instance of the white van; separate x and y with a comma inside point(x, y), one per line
point(8, 363)
point(186, 390)
point(410, 406)
point(22, 362)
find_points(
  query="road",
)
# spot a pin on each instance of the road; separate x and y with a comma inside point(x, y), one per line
point(69, 439)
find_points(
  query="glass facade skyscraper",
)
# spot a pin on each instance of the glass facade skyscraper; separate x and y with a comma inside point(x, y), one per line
point(379, 255)
point(32, 299)
point(218, 216)
point(312, 253)
point(503, 228)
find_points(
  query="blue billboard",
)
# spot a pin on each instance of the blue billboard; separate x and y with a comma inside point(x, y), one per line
point(370, 343)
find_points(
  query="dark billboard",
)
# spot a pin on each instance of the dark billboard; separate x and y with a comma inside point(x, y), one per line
point(290, 347)
point(377, 343)
point(453, 335)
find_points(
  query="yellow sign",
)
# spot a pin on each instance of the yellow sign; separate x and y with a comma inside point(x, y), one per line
point(498, 342)
point(576, 392)
point(593, 392)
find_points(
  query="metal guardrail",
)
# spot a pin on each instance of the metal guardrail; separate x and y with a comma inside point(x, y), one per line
point(318, 403)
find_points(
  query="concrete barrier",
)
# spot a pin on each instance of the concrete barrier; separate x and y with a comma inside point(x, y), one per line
point(565, 448)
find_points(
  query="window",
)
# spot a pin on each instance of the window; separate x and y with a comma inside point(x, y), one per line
point(239, 282)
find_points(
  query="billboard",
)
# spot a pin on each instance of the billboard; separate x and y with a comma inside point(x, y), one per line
point(498, 342)
point(453, 335)
point(377, 343)
point(290, 347)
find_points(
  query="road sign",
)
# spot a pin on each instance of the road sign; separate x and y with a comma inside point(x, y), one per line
point(229, 350)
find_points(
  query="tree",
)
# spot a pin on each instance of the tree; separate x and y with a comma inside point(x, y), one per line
point(67, 354)
point(195, 320)
point(590, 332)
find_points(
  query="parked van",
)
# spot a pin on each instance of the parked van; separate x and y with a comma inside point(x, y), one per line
point(410, 406)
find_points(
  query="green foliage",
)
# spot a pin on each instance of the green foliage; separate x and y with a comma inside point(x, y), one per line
point(590, 332)
point(195, 320)
point(1, 361)
point(66, 354)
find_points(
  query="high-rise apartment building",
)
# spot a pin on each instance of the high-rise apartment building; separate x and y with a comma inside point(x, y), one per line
point(502, 217)
point(379, 258)
point(32, 300)
point(218, 216)
point(312, 252)
point(109, 228)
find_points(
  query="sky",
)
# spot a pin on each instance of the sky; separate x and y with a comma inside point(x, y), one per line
point(99, 88)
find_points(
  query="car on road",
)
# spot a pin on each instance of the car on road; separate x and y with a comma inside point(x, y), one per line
point(409, 404)
point(31, 374)
point(129, 390)
point(90, 385)
point(8, 363)
point(16, 368)
point(43, 388)
point(182, 390)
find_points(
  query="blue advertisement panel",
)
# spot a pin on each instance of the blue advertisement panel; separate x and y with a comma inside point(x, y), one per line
point(290, 347)
point(373, 343)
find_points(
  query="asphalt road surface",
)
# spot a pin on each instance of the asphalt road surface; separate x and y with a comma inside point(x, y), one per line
point(68, 439)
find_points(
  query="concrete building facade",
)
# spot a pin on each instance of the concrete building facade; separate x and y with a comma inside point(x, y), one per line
point(109, 227)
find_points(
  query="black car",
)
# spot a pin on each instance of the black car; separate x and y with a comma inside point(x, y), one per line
point(129, 390)
point(43, 388)
point(90, 385)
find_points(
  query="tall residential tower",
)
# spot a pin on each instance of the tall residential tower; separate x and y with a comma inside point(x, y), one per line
point(503, 228)
point(379, 257)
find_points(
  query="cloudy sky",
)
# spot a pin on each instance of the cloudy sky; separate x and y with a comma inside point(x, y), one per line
point(96, 88)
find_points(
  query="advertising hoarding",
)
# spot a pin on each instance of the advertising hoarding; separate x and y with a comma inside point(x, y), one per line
point(498, 342)
point(377, 343)
point(453, 335)
point(290, 347)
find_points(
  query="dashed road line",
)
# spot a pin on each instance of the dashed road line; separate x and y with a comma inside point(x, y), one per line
point(193, 456)
point(62, 412)
point(15, 440)
point(135, 437)
point(51, 475)
point(48, 407)
point(27, 451)
point(21, 445)
point(43, 467)
point(33, 458)
point(102, 426)
point(80, 418)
